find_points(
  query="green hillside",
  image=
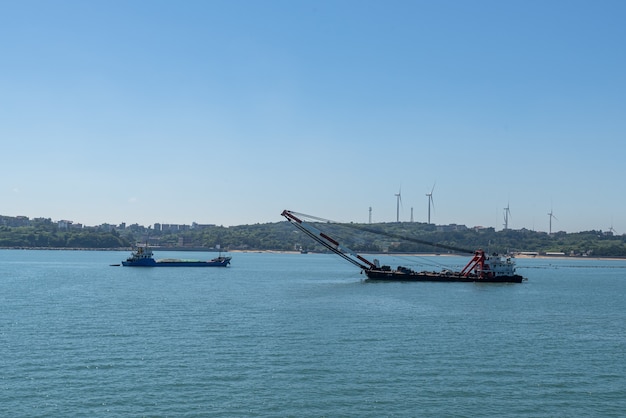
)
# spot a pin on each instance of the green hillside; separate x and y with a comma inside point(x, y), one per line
point(282, 236)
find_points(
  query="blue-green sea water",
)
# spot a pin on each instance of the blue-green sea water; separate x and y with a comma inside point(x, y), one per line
point(299, 335)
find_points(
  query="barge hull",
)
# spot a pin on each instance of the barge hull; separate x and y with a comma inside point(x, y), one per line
point(395, 276)
point(224, 262)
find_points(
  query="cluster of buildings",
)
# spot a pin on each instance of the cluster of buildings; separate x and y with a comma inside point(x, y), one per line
point(15, 221)
point(177, 228)
point(21, 221)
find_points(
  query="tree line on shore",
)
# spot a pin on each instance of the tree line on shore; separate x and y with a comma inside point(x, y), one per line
point(281, 236)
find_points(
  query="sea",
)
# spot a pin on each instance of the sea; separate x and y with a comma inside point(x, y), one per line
point(304, 335)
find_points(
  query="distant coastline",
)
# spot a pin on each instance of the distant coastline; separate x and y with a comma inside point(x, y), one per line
point(195, 249)
point(430, 254)
point(65, 249)
point(395, 254)
point(399, 238)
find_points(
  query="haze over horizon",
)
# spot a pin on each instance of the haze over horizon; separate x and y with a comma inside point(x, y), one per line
point(227, 113)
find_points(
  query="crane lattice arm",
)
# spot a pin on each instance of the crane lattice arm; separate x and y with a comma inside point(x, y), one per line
point(328, 242)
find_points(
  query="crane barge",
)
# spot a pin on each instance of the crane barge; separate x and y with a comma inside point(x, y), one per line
point(482, 268)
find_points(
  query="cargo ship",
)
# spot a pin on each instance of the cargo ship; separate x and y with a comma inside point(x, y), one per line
point(482, 268)
point(143, 257)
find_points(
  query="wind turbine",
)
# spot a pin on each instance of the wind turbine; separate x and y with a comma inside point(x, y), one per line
point(507, 214)
point(430, 201)
point(551, 215)
point(398, 202)
point(611, 229)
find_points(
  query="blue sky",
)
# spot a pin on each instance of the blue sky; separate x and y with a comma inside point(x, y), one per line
point(228, 112)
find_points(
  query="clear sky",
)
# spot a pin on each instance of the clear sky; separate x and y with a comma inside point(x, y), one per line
point(228, 112)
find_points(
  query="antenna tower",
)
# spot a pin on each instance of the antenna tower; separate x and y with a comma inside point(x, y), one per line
point(507, 214)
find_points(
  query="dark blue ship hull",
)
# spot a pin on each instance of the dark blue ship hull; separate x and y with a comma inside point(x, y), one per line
point(151, 262)
point(143, 257)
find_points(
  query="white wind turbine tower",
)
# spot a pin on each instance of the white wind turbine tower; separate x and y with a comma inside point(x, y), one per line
point(430, 201)
point(398, 202)
point(507, 214)
point(551, 215)
point(611, 229)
